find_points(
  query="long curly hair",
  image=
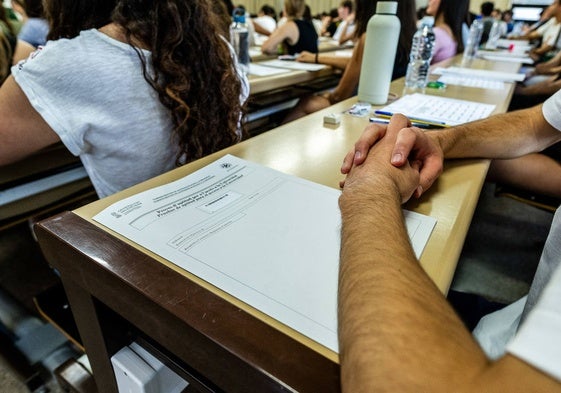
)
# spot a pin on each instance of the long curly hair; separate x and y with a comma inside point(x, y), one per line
point(193, 70)
point(68, 17)
point(191, 67)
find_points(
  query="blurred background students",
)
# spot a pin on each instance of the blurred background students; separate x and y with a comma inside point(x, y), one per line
point(348, 84)
point(449, 16)
point(296, 35)
point(266, 21)
point(34, 27)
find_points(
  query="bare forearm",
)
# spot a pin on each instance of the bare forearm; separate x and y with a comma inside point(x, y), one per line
point(503, 136)
point(397, 331)
point(333, 61)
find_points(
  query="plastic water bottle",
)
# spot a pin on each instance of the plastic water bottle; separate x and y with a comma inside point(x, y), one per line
point(382, 35)
point(474, 38)
point(239, 38)
point(494, 36)
point(420, 57)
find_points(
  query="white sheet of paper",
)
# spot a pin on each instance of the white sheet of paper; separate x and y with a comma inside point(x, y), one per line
point(259, 70)
point(512, 59)
point(293, 65)
point(269, 239)
point(494, 75)
point(461, 80)
point(439, 109)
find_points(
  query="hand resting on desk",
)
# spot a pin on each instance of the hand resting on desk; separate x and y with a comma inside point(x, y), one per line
point(411, 144)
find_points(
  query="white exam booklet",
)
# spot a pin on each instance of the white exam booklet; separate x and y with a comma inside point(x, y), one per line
point(267, 238)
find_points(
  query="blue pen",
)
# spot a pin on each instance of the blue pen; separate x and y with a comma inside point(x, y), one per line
point(412, 118)
point(415, 124)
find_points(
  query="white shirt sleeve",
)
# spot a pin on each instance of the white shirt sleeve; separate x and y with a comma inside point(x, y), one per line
point(538, 341)
point(552, 110)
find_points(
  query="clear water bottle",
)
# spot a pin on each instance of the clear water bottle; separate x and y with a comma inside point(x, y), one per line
point(494, 36)
point(382, 35)
point(474, 38)
point(420, 57)
point(239, 38)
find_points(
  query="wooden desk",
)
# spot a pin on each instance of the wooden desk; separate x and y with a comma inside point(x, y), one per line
point(119, 291)
point(260, 84)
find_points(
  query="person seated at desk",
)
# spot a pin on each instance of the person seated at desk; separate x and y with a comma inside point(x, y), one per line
point(296, 35)
point(126, 98)
point(349, 81)
point(35, 27)
point(12, 49)
point(397, 332)
point(330, 23)
point(449, 16)
point(346, 27)
point(266, 21)
point(548, 32)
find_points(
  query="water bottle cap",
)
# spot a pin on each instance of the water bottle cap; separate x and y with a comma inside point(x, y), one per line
point(386, 7)
point(428, 20)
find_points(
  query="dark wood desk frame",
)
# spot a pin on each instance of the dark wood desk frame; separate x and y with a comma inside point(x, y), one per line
point(215, 345)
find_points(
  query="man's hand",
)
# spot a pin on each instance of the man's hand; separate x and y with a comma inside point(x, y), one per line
point(411, 145)
point(376, 173)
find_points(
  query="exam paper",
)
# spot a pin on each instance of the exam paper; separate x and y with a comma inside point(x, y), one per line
point(259, 70)
point(293, 65)
point(464, 80)
point(267, 238)
point(494, 75)
point(449, 111)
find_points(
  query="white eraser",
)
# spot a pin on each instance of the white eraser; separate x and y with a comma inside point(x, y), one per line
point(332, 118)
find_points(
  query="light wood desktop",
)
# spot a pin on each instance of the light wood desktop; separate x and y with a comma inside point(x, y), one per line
point(217, 340)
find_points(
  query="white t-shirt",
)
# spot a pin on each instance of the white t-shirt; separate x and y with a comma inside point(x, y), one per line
point(266, 22)
point(537, 339)
point(91, 92)
point(550, 31)
point(350, 29)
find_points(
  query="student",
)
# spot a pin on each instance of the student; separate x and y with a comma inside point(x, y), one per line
point(449, 15)
point(296, 35)
point(135, 88)
point(35, 27)
point(487, 19)
point(396, 330)
point(266, 21)
point(548, 32)
point(349, 81)
point(12, 50)
point(345, 29)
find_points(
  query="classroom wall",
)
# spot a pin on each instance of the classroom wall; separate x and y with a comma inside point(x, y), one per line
point(318, 6)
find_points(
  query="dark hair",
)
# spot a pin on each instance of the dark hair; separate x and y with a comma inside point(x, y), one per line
point(406, 14)
point(454, 12)
point(487, 8)
point(268, 10)
point(68, 17)
point(33, 8)
point(347, 4)
point(203, 96)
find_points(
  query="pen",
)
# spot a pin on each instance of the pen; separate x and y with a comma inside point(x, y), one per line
point(413, 123)
point(417, 119)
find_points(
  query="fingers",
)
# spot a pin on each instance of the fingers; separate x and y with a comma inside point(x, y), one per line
point(356, 156)
point(404, 144)
point(430, 171)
